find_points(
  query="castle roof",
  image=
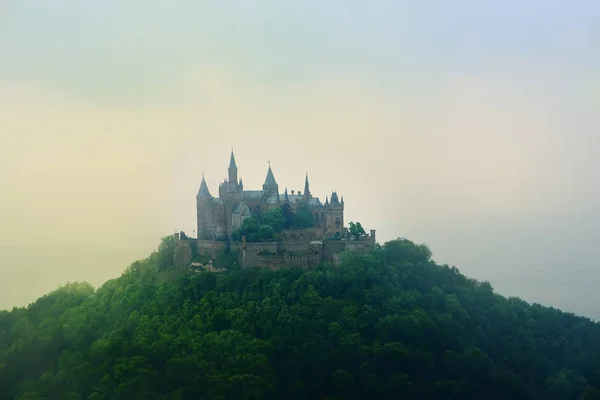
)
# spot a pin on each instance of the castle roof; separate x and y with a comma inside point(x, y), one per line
point(294, 198)
point(314, 202)
point(252, 194)
point(270, 179)
point(242, 209)
point(203, 191)
point(334, 198)
point(273, 199)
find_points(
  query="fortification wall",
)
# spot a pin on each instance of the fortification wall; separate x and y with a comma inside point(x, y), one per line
point(276, 262)
point(295, 235)
point(209, 247)
point(183, 252)
point(332, 247)
point(295, 247)
point(294, 251)
point(253, 250)
point(358, 245)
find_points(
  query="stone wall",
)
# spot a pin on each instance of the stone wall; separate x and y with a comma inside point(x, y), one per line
point(279, 261)
point(209, 247)
point(295, 251)
point(183, 253)
point(252, 252)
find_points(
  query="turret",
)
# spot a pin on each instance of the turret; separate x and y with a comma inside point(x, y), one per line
point(232, 169)
point(286, 197)
point(204, 206)
point(203, 193)
point(270, 186)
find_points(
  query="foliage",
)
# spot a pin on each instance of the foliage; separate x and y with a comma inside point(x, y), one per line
point(302, 219)
point(254, 231)
point(288, 215)
point(356, 230)
point(387, 324)
point(226, 259)
point(166, 251)
point(274, 218)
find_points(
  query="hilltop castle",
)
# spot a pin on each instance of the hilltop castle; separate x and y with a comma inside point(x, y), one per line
point(220, 217)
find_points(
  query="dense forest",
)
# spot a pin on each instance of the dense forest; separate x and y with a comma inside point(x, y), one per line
point(390, 324)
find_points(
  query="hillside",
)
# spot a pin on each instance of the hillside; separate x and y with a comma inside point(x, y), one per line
point(389, 324)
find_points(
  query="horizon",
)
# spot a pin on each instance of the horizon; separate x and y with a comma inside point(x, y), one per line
point(470, 127)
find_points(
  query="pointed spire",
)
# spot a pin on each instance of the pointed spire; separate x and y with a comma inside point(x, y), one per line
point(286, 198)
point(232, 169)
point(232, 164)
point(326, 200)
point(203, 191)
point(306, 187)
point(342, 200)
point(270, 179)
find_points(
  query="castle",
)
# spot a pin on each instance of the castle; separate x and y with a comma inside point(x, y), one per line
point(218, 218)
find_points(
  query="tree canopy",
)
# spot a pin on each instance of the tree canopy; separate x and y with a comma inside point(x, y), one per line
point(356, 230)
point(302, 219)
point(274, 218)
point(254, 231)
point(382, 325)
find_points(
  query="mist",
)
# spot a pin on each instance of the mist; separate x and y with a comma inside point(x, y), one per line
point(471, 128)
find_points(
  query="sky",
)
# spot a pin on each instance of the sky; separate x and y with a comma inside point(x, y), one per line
point(470, 126)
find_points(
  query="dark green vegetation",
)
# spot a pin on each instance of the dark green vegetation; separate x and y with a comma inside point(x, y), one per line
point(390, 324)
point(272, 222)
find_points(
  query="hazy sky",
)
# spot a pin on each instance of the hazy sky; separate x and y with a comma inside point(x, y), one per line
point(471, 126)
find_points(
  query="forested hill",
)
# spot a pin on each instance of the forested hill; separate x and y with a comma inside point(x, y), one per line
point(391, 324)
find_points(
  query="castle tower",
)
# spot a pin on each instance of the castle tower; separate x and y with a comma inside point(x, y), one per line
point(270, 186)
point(204, 210)
point(233, 171)
point(334, 215)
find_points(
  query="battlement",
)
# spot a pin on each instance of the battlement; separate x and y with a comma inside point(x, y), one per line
point(294, 235)
point(294, 248)
point(286, 258)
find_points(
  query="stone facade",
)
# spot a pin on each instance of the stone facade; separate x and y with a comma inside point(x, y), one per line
point(219, 217)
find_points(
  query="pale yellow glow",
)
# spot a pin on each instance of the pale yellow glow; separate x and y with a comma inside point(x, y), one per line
point(88, 188)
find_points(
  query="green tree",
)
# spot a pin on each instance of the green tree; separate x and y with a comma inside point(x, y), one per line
point(254, 231)
point(274, 218)
point(356, 230)
point(302, 219)
point(380, 324)
point(166, 251)
point(288, 215)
